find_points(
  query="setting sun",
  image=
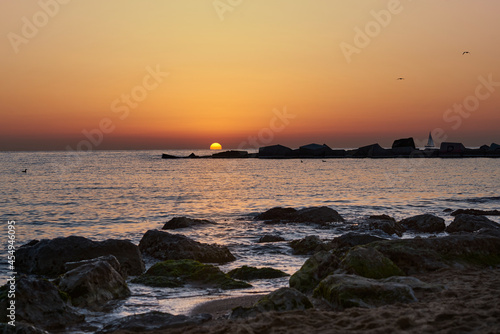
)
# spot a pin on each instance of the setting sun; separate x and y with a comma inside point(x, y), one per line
point(215, 146)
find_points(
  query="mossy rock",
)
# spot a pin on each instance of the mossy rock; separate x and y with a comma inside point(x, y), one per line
point(368, 262)
point(344, 291)
point(317, 267)
point(250, 273)
point(174, 273)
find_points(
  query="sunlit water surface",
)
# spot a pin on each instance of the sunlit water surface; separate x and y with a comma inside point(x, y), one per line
point(122, 194)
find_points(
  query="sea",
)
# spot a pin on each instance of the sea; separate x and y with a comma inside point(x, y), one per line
point(122, 194)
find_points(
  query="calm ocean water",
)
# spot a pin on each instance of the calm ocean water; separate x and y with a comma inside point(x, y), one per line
point(122, 194)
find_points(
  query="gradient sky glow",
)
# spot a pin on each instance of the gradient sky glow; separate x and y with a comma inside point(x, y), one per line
point(227, 78)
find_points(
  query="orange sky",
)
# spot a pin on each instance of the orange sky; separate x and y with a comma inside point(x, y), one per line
point(224, 73)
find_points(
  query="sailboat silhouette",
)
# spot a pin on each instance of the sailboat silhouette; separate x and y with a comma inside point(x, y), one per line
point(430, 142)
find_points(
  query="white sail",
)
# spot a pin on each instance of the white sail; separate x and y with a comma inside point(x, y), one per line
point(430, 141)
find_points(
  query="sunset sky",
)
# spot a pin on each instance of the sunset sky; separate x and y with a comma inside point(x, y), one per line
point(149, 74)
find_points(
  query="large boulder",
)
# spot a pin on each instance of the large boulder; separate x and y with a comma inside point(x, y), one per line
point(21, 328)
point(176, 273)
point(49, 256)
point(281, 300)
point(40, 303)
point(318, 215)
point(93, 284)
point(368, 262)
point(250, 273)
point(183, 222)
point(152, 321)
point(344, 291)
point(308, 245)
point(167, 246)
point(470, 223)
point(425, 223)
point(107, 258)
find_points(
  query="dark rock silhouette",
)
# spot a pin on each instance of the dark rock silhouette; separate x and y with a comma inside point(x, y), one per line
point(270, 238)
point(167, 246)
point(425, 223)
point(308, 245)
point(230, 154)
point(451, 150)
point(384, 223)
point(183, 222)
point(403, 143)
point(48, 257)
point(372, 151)
point(275, 151)
point(248, 273)
point(318, 215)
point(314, 150)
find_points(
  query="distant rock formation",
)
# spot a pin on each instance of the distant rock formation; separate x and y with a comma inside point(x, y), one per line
point(231, 154)
point(372, 151)
point(275, 151)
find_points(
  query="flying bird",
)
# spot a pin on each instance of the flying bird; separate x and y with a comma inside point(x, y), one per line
point(24, 171)
point(400, 78)
point(465, 52)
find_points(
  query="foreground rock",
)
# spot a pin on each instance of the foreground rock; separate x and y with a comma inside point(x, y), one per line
point(177, 273)
point(284, 299)
point(150, 321)
point(425, 223)
point(368, 262)
point(48, 257)
point(184, 222)
point(93, 284)
point(318, 215)
point(411, 256)
point(250, 273)
point(344, 291)
point(39, 302)
point(21, 328)
point(167, 246)
point(470, 223)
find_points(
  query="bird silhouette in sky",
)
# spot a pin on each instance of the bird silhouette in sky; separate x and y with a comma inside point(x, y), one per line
point(465, 53)
point(24, 171)
point(400, 78)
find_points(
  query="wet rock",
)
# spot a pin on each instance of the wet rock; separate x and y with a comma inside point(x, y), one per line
point(250, 273)
point(470, 223)
point(277, 214)
point(167, 246)
point(316, 268)
point(352, 239)
point(281, 300)
point(317, 215)
point(270, 238)
point(183, 222)
point(414, 283)
point(93, 284)
point(425, 223)
point(344, 291)
point(152, 321)
point(108, 258)
point(175, 273)
point(40, 303)
point(48, 257)
point(308, 245)
point(386, 224)
point(476, 212)
point(368, 262)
